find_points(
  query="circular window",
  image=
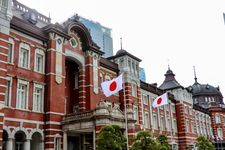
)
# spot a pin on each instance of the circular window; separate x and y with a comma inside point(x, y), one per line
point(73, 42)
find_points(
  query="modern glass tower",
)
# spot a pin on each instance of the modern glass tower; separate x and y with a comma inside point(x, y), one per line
point(100, 35)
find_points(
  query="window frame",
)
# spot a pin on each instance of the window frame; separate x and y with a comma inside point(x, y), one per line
point(41, 106)
point(135, 113)
point(39, 52)
point(8, 91)
point(24, 46)
point(10, 60)
point(24, 82)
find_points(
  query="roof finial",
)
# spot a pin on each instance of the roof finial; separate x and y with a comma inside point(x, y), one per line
point(168, 64)
point(195, 75)
point(121, 43)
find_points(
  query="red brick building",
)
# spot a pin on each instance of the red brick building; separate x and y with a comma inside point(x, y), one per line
point(50, 95)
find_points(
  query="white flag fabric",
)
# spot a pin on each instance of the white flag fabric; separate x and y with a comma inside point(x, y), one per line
point(160, 100)
point(113, 86)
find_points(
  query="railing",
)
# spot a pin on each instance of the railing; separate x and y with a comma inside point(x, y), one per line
point(78, 116)
point(20, 7)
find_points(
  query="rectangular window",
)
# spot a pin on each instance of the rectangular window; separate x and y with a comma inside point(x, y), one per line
point(173, 108)
point(155, 124)
point(146, 120)
point(24, 58)
point(217, 118)
point(22, 94)
point(168, 124)
point(3, 3)
point(145, 99)
point(38, 97)
point(136, 113)
point(8, 91)
point(187, 126)
point(39, 63)
point(162, 123)
point(134, 89)
point(175, 125)
point(57, 143)
point(10, 53)
point(220, 132)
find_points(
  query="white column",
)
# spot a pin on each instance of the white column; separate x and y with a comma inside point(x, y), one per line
point(27, 144)
point(64, 141)
point(9, 144)
point(42, 145)
point(94, 138)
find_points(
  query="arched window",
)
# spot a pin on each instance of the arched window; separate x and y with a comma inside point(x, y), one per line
point(36, 142)
point(20, 139)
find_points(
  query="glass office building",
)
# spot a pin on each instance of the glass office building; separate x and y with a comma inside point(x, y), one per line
point(100, 35)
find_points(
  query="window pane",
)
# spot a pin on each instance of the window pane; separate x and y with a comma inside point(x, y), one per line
point(10, 59)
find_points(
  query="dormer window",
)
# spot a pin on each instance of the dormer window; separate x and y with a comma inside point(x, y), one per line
point(33, 18)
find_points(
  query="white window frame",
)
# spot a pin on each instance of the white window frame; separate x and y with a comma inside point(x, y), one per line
point(41, 105)
point(26, 47)
point(147, 122)
point(220, 134)
point(217, 118)
point(155, 122)
point(174, 125)
point(57, 143)
point(9, 89)
point(162, 123)
point(41, 53)
point(11, 42)
point(18, 102)
point(145, 99)
point(136, 113)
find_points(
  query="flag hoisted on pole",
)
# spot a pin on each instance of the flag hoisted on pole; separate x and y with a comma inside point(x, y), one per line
point(160, 100)
point(113, 86)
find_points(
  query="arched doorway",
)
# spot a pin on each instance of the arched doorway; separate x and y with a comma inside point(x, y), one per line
point(5, 139)
point(20, 138)
point(36, 141)
point(71, 86)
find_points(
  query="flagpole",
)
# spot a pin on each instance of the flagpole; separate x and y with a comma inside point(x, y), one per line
point(125, 115)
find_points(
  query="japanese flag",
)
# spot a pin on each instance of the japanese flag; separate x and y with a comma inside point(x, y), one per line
point(113, 86)
point(161, 100)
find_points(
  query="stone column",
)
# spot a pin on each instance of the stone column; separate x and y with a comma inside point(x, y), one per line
point(64, 140)
point(27, 144)
point(9, 144)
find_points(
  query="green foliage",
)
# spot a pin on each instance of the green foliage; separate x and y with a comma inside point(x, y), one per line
point(204, 144)
point(163, 140)
point(145, 141)
point(111, 138)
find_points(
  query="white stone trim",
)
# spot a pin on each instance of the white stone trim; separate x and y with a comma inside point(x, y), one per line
point(51, 73)
point(3, 54)
point(23, 120)
point(53, 122)
point(1, 69)
point(55, 113)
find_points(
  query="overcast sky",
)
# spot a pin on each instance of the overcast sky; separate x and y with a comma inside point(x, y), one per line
point(181, 33)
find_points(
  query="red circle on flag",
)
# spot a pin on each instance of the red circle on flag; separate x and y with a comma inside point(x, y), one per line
point(113, 86)
point(159, 101)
